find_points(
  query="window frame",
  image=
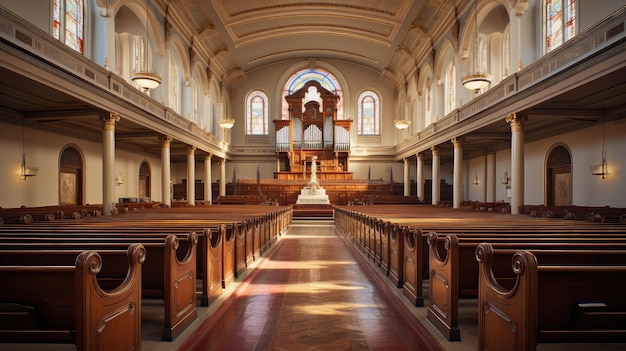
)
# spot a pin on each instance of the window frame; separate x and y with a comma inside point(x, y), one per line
point(376, 118)
point(250, 126)
point(59, 25)
point(566, 16)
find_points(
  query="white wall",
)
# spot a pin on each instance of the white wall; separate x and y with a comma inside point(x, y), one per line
point(585, 146)
point(43, 150)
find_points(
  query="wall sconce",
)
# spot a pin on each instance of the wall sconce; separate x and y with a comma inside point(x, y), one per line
point(475, 181)
point(26, 171)
point(602, 168)
point(119, 180)
point(506, 180)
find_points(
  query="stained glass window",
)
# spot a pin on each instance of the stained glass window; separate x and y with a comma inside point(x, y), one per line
point(257, 113)
point(300, 78)
point(560, 22)
point(68, 22)
point(368, 114)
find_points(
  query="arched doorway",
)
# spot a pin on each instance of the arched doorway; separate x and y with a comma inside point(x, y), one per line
point(71, 177)
point(559, 177)
point(144, 179)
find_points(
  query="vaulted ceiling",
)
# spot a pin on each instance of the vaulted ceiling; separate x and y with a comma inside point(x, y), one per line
point(239, 36)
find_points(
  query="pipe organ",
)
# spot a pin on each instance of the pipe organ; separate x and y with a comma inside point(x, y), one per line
point(312, 130)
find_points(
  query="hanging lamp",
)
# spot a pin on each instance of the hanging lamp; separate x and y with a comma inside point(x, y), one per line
point(476, 80)
point(142, 76)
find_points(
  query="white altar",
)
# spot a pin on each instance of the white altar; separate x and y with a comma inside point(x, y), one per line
point(313, 192)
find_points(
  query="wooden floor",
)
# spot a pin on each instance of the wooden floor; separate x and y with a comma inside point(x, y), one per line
point(312, 291)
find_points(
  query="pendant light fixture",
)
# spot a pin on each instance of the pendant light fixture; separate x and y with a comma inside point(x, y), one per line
point(477, 80)
point(142, 75)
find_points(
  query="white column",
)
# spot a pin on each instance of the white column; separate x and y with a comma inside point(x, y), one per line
point(223, 177)
point(435, 181)
point(166, 174)
point(419, 176)
point(492, 181)
point(407, 178)
point(457, 195)
point(191, 176)
point(108, 163)
point(208, 190)
point(517, 161)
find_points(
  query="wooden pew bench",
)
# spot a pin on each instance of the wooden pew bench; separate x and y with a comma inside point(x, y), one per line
point(549, 302)
point(66, 303)
point(453, 270)
point(169, 273)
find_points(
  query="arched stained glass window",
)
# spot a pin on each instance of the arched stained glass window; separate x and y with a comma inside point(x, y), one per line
point(560, 22)
point(68, 22)
point(257, 113)
point(300, 78)
point(368, 114)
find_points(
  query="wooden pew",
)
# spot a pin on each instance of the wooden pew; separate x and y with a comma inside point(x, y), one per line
point(455, 274)
point(552, 302)
point(165, 276)
point(53, 303)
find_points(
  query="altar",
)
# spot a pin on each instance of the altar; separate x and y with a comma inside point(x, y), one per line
point(313, 193)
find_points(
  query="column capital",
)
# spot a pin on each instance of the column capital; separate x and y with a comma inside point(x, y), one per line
point(516, 121)
point(110, 119)
point(166, 139)
point(456, 141)
point(222, 161)
point(191, 149)
point(434, 150)
point(208, 157)
point(419, 155)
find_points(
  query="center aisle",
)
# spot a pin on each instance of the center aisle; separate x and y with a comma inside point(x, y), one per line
point(312, 292)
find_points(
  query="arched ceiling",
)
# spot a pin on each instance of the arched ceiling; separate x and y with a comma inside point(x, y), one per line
point(239, 36)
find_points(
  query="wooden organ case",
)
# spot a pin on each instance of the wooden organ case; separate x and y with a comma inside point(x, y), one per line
point(312, 130)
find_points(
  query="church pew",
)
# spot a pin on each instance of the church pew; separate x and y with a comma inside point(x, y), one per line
point(168, 274)
point(356, 224)
point(65, 303)
point(548, 302)
point(454, 275)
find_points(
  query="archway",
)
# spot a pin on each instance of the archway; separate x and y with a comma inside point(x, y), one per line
point(559, 177)
point(144, 179)
point(71, 177)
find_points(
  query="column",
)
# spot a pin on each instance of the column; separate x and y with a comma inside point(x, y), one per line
point(407, 178)
point(492, 181)
point(457, 195)
point(108, 162)
point(419, 176)
point(208, 190)
point(223, 177)
point(436, 183)
point(517, 161)
point(277, 164)
point(191, 176)
point(166, 174)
